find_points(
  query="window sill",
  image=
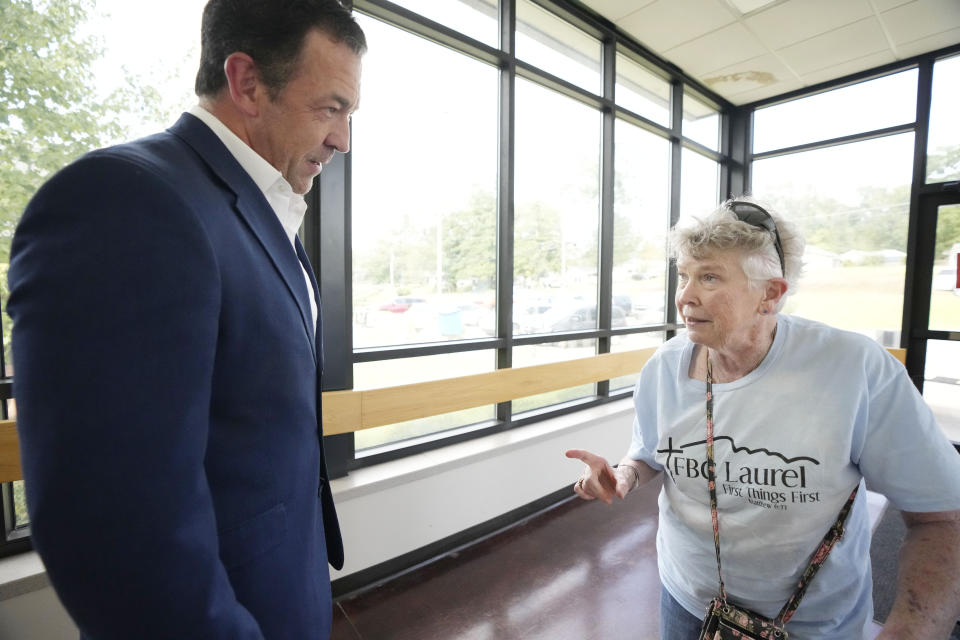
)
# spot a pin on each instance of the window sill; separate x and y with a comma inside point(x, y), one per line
point(21, 574)
point(367, 480)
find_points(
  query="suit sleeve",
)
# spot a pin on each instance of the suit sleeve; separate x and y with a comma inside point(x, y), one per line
point(115, 301)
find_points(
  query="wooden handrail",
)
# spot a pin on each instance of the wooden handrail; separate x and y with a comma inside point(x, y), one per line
point(348, 411)
point(9, 452)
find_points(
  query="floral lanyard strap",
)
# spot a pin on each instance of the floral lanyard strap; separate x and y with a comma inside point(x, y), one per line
point(819, 556)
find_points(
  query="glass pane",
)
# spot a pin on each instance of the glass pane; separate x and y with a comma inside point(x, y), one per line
point(943, 143)
point(424, 203)
point(641, 218)
point(557, 47)
point(701, 122)
point(642, 92)
point(77, 80)
point(556, 212)
point(853, 212)
point(20, 516)
point(945, 296)
point(941, 385)
point(478, 19)
point(630, 343)
point(388, 373)
point(553, 352)
point(699, 183)
point(869, 105)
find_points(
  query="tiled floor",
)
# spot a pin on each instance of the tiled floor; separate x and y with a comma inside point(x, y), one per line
point(580, 571)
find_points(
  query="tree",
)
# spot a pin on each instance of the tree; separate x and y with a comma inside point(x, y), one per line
point(470, 244)
point(537, 240)
point(944, 164)
point(49, 111)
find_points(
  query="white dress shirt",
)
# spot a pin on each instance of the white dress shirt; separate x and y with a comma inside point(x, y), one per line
point(289, 206)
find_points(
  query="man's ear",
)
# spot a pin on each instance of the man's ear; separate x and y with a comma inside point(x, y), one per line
point(243, 83)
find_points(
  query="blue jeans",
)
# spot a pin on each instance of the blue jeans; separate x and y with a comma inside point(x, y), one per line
point(676, 623)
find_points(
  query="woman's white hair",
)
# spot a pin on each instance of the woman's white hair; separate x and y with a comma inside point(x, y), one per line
point(721, 230)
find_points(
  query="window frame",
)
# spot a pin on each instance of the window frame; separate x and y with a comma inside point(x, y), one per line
point(332, 209)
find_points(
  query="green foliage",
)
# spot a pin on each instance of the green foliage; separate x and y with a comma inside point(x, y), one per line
point(944, 164)
point(537, 242)
point(48, 115)
point(948, 230)
point(470, 245)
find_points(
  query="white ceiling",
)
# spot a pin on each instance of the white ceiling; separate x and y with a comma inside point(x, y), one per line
point(766, 48)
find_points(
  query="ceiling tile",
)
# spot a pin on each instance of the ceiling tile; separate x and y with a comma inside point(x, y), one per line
point(718, 49)
point(841, 45)
point(613, 10)
point(667, 23)
point(796, 20)
point(759, 93)
point(886, 5)
point(921, 19)
point(848, 67)
point(750, 75)
point(930, 43)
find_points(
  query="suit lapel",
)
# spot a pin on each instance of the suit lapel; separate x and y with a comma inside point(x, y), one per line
point(253, 208)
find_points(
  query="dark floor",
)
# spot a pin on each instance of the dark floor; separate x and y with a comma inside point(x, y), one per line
point(579, 571)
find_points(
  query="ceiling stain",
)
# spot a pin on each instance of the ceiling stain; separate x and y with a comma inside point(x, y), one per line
point(762, 78)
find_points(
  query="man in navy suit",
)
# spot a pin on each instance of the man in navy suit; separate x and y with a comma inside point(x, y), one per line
point(167, 348)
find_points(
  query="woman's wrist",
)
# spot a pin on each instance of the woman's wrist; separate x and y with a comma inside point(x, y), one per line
point(630, 474)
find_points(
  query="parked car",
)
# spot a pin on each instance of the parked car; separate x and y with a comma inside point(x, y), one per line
point(945, 279)
point(625, 303)
point(574, 318)
point(400, 304)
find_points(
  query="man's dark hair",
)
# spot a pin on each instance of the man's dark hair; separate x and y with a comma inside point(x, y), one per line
point(271, 32)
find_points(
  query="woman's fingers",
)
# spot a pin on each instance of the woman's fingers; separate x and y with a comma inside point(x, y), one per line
point(580, 491)
point(592, 460)
point(597, 480)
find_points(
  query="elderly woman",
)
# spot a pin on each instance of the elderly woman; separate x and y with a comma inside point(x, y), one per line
point(802, 414)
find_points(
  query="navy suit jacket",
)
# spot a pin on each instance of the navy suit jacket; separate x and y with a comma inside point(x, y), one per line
point(167, 379)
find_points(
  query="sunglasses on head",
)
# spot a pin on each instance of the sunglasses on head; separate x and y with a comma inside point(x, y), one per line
point(758, 217)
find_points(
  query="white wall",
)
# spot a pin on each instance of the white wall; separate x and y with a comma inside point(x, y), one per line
point(397, 507)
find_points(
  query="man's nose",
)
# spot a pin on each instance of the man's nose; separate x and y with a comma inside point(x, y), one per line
point(339, 136)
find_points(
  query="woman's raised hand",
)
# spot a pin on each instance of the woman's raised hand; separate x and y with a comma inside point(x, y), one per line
point(598, 479)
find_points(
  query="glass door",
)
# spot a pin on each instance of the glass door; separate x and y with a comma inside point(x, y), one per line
point(933, 351)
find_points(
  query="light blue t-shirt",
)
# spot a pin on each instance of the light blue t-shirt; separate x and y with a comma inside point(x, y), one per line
point(825, 409)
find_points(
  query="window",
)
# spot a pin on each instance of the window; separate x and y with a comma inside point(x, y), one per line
point(940, 379)
point(387, 373)
point(641, 91)
point(641, 220)
point(701, 122)
point(557, 47)
point(943, 142)
point(631, 343)
point(423, 192)
point(553, 352)
point(699, 183)
point(945, 289)
point(427, 217)
point(556, 213)
point(475, 18)
point(75, 81)
point(854, 213)
point(865, 106)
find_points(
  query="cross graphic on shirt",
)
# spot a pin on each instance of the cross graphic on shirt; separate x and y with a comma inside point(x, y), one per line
point(669, 451)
